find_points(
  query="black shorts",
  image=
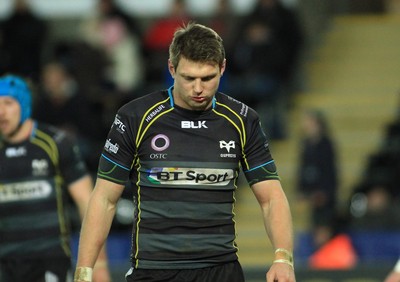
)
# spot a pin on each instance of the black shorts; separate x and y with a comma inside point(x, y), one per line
point(229, 272)
point(35, 270)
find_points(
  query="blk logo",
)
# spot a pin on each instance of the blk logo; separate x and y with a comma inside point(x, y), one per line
point(193, 124)
point(227, 145)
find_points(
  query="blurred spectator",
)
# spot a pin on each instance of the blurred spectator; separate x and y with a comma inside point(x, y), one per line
point(118, 36)
point(62, 104)
point(375, 201)
point(22, 41)
point(157, 39)
point(373, 208)
point(263, 60)
point(224, 22)
point(89, 66)
point(318, 175)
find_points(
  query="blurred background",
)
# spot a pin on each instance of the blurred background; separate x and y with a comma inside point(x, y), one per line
point(324, 76)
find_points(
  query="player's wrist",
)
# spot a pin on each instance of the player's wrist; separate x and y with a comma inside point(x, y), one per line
point(285, 261)
point(83, 274)
point(284, 256)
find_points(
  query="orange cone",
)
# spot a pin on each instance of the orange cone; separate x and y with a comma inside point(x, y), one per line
point(338, 253)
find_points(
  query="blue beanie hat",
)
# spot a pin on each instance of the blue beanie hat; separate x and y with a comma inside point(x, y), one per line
point(16, 87)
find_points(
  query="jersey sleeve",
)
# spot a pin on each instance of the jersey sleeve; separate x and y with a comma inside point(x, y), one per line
point(258, 164)
point(119, 150)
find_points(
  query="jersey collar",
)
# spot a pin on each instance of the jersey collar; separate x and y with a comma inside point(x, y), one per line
point(214, 101)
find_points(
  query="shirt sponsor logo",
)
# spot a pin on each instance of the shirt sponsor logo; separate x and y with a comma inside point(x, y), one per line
point(40, 167)
point(244, 110)
point(160, 142)
point(228, 146)
point(154, 113)
point(24, 191)
point(110, 147)
point(59, 136)
point(15, 152)
point(158, 156)
point(119, 124)
point(191, 176)
point(193, 124)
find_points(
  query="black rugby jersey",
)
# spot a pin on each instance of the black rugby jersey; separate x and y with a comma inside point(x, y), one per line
point(185, 165)
point(33, 179)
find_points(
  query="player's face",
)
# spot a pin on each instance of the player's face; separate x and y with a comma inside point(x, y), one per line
point(10, 115)
point(195, 83)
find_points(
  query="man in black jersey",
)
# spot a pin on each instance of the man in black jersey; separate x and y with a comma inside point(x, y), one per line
point(39, 165)
point(182, 149)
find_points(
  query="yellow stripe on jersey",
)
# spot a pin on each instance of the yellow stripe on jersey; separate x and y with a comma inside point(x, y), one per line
point(46, 142)
point(241, 131)
point(139, 136)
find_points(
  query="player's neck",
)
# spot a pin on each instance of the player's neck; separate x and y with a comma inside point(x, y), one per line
point(22, 133)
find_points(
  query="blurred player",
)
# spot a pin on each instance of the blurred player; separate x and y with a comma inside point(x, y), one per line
point(39, 166)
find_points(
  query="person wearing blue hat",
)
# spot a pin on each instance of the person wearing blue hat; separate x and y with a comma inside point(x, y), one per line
point(39, 166)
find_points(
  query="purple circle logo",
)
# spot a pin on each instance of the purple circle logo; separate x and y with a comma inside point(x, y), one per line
point(160, 142)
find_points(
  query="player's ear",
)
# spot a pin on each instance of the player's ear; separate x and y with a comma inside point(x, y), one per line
point(223, 67)
point(171, 68)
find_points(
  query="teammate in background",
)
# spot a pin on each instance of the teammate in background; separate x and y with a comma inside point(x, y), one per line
point(394, 275)
point(39, 165)
point(183, 148)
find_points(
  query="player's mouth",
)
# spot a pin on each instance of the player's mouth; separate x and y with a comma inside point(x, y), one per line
point(198, 99)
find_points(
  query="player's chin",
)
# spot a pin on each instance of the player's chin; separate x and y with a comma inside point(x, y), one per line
point(201, 105)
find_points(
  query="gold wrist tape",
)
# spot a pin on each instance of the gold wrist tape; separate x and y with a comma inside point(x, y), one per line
point(284, 261)
point(288, 255)
point(83, 274)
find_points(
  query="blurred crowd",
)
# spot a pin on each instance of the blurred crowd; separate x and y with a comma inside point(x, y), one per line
point(117, 57)
point(375, 201)
point(79, 85)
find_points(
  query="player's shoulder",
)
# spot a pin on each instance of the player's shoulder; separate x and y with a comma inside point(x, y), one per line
point(49, 133)
point(226, 102)
point(139, 106)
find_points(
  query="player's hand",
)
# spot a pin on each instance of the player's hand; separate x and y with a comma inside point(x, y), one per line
point(280, 272)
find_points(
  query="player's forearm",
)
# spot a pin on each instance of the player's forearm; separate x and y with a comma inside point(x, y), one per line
point(278, 223)
point(95, 228)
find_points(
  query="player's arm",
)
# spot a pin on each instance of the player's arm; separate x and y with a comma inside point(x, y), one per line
point(80, 192)
point(96, 226)
point(278, 224)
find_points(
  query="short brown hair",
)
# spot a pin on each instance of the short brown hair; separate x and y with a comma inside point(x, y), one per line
point(196, 43)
